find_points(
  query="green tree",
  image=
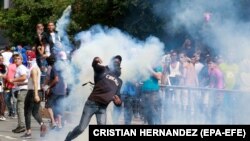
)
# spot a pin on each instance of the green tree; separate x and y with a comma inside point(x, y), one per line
point(133, 16)
point(19, 21)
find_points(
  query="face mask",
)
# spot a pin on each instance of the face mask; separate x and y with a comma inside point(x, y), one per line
point(116, 68)
point(32, 63)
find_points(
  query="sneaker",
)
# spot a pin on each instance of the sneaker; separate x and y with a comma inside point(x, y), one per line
point(2, 118)
point(53, 126)
point(13, 116)
point(43, 130)
point(19, 129)
point(26, 136)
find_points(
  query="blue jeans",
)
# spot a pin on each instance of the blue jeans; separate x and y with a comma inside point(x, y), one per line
point(10, 101)
point(90, 108)
point(152, 108)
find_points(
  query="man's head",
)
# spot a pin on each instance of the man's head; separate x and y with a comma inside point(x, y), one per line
point(18, 59)
point(39, 28)
point(211, 62)
point(51, 27)
point(51, 60)
point(116, 60)
point(62, 55)
point(31, 56)
point(115, 65)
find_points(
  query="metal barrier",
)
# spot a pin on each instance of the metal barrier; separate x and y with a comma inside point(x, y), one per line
point(198, 105)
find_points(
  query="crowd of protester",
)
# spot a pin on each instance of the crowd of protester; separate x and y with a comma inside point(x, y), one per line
point(155, 100)
point(189, 85)
point(28, 77)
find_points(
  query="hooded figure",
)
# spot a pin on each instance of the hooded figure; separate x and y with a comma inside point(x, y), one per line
point(115, 65)
point(106, 89)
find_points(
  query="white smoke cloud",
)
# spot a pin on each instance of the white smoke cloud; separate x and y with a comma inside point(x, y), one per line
point(137, 55)
point(108, 42)
point(224, 31)
point(104, 42)
point(61, 28)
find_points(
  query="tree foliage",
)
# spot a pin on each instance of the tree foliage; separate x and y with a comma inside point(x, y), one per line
point(133, 16)
point(19, 21)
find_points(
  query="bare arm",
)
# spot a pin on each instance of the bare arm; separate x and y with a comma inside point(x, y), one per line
point(34, 76)
point(19, 79)
point(41, 50)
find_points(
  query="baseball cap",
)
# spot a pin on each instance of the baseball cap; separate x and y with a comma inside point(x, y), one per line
point(117, 57)
point(31, 55)
point(62, 55)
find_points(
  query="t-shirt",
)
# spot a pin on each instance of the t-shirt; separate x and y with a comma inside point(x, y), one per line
point(152, 83)
point(21, 70)
point(216, 79)
point(61, 86)
point(129, 89)
point(230, 72)
point(10, 75)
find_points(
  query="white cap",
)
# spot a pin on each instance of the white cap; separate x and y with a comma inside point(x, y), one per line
point(62, 55)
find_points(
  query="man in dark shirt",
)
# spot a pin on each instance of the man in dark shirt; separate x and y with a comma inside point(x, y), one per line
point(107, 88)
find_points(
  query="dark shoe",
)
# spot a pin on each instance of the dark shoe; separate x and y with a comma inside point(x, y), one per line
point(26, 136)
point(43, 130)
point(19, 130)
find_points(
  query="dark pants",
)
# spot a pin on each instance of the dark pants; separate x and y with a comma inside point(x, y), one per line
point(2, 104)
point(31, 107)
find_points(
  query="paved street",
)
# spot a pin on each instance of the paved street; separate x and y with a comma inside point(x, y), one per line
point(52, 135)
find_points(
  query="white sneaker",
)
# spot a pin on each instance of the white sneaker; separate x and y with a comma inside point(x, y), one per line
point(2, 118)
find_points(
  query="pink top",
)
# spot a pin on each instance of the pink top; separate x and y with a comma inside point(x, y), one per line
point(10, 75)
point(216, 78)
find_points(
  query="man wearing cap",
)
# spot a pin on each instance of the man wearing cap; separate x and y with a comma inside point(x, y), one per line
point(20, 81)
point(106, 89)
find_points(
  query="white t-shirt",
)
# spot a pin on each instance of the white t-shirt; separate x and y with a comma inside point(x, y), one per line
point(22, 70)
point(47, 50)
point(53, 36)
